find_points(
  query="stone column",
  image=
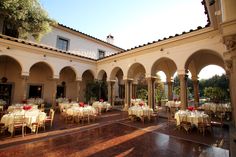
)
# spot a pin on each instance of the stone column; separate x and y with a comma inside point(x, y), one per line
point(230, 61)
point(151, 94)
point(170, 90)
point(183, 90)
point(54, 91)
point(24, 87)
point(127, 94)
point(78, 90)
point(111, 92)
point(134, 90)
point(196, 91)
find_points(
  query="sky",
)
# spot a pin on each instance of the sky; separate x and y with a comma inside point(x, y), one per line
point(131, 22)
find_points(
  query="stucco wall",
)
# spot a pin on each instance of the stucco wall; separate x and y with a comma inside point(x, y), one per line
point(77, 44)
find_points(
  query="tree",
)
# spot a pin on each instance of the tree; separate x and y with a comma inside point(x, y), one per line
point(160, 91)
point(216, 94)
point(26, 17)
point(216, 81)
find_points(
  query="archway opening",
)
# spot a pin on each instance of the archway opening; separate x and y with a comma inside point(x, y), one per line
point(66, 84)
point(10, 75)
point(40, 82)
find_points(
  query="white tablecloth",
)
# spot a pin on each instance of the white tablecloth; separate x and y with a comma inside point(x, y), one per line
point(102, 105)
point(16, 107)
point(140, 111)
point(30, 117)
point(63, 106)
point(173, 104)
point(192, 116)
point(216, 107)
point(81, 111)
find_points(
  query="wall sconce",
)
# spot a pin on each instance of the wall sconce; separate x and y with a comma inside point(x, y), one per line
point(8, 48)
point(161, 49)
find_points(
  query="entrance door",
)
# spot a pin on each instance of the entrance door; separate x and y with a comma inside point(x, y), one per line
point(60, 92)
point(5, 93)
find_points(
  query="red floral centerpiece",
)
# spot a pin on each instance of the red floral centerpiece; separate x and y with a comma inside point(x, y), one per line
point(141, 104)
point(191, 108)
point(101, 100)
point(27, 107)
point(81, 104)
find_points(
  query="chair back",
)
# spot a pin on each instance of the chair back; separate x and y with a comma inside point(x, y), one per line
point(18, 119)
point(51, 114)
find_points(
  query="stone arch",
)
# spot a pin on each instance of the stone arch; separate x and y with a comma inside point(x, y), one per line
point(10, 79)
point(167, 65)
point(202, 58)
point(114, 72)
point(71, 68)
point(135, 70)
point(45, 63)
point(102, 75)
point(17, 61)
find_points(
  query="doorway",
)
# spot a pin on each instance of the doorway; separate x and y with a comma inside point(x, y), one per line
point(6, 92)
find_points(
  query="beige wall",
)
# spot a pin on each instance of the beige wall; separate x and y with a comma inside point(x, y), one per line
point(179, 52)
point(77, 44)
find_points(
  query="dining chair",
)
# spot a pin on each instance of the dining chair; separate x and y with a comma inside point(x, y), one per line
point(3, 128)
point(49, 119)
point(154, 116)
point(184, 123)
point(40, 123)
point(18, 123)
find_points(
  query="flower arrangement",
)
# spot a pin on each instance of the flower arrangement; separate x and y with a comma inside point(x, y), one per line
point(141, 103)
point(101, 100)
point(27, 107)
point(81, 104)
point(191, 108)
point(2, 102)
point(61, 100)
point(36, 101)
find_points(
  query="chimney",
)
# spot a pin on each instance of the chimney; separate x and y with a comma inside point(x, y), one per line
point(110, 39)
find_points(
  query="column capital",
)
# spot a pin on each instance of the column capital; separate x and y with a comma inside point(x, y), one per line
point(55, 77)
point(195, 78)
point(79, 79)
point(25, 73)
point(182, 72)
point(152, 78)
point(169, 79)
point(230, 42)
point(25, 77)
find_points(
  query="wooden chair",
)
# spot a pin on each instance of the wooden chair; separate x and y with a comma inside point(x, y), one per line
point(3, 128)
point(19, 123)
point(42, 108)
point(171, 116)
point(85, 117)
point(40, 123)
point(218, 119)
point(49, 119)
point(154, 116)
point(184, 123)
point(204, 126)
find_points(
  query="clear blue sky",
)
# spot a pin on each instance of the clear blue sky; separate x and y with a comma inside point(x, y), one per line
point(131, 22)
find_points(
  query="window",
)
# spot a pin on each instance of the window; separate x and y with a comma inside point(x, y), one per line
point(60, 91)
point(101, 54)
point(62, 43)
point(35, 91)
